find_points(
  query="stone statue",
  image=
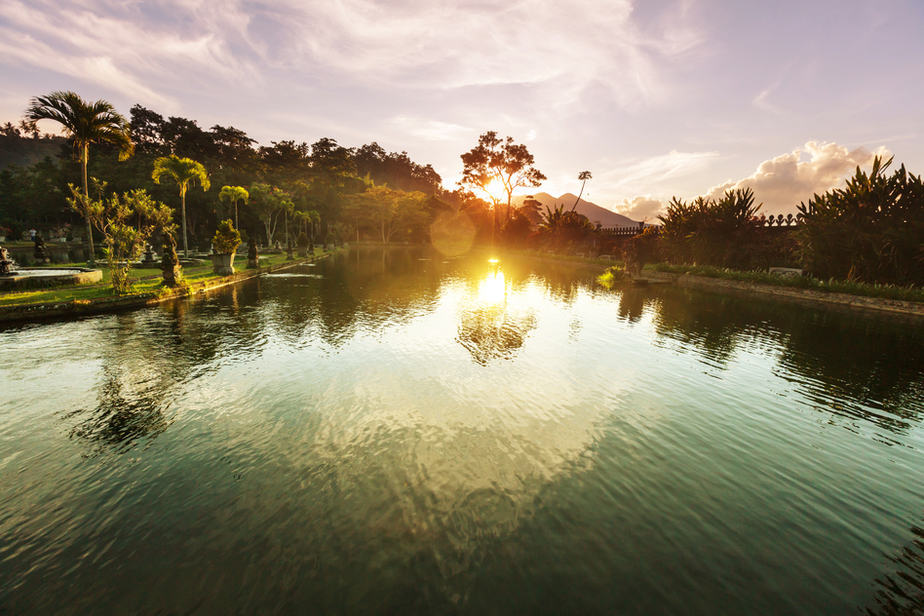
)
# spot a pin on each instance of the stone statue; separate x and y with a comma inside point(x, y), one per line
point(41, 256)
point(148, 256)
point(6, 264)
point(170, 262)
point(252, 256)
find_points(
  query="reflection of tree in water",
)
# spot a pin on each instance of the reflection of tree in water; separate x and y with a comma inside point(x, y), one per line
point(632, 302)
point(853, 365)
point(491, 332)
point(368, 286)
point(902, 593)
point(121, 417)
point(373, 286)
point(711, 323)
point(873, 370)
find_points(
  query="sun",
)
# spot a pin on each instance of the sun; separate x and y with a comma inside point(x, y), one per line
point(495, 188)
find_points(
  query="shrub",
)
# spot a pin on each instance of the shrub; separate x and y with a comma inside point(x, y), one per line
point(872, 230)
point(711, 232)
point(123, 242)
point(226, 239)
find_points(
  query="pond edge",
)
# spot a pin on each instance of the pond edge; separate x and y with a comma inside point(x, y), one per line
point(808, 296)
point(78, 308)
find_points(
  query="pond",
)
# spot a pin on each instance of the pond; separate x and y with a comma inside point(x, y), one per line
point(394, 431)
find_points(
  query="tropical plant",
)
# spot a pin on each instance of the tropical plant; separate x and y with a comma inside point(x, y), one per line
point(583, 176)
point(234, 195)
point(124, 242)
point(226, 239)
point(872, 230)
point(183, 171)
point(84, 123)
point(710, 231)
point(562, 228)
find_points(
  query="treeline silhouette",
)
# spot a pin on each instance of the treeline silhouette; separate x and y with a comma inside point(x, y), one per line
point(319, 176)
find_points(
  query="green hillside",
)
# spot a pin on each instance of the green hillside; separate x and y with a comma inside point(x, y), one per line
point(26, 151)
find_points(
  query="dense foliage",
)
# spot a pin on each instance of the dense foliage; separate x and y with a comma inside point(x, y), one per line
point(308, 184)
point(709, 231)
point(226, 238)
point(127, 223)
point(871, 230)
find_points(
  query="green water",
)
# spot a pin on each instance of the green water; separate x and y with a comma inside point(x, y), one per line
point(394, 432)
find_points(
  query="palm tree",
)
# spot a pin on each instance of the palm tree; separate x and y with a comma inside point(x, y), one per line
point(182, 171)
point(84, 123)
point(233, 194)
point(583, 176)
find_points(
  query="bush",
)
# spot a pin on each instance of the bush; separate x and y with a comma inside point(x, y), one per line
point(226, 239)
point(872, 230)
point(711, 232)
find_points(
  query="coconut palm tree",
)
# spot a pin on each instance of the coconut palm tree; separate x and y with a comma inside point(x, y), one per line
point(182, 171)
point(84, 123)
point(232, 195)
point(583, 176)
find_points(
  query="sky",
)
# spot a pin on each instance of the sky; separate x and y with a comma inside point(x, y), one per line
point(656, 98)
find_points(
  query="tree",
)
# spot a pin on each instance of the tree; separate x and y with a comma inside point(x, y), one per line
point(583, 176)
point(502, 161)
point(712, 231)
point(268, 202)
point(232, 195)
point(182, 171)
point(124, 242)
point(871, 230)
point(388, 209)
point(84, 123)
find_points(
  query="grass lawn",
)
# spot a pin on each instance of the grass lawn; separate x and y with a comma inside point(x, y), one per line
point(885, 291)
point(145, 281)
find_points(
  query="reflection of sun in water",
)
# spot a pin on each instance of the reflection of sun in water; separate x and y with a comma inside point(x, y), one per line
point(493, 288)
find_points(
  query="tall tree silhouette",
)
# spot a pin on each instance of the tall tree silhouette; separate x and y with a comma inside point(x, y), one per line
point(502, 160)
point(182, 171)
point(583, 176)
point(84, 123)
point(233, 195)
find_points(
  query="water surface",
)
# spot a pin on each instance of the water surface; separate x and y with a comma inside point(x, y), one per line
point(392, 431)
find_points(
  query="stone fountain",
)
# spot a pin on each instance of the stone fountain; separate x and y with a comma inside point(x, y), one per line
point(37, 277)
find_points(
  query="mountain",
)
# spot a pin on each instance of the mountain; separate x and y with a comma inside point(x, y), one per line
point(595, 213)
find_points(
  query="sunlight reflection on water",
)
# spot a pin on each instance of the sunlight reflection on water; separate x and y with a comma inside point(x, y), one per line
point(458, 436)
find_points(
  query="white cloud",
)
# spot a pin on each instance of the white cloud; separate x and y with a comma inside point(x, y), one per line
point(430, 130)
point(780, 183)
point(116, 47)
point(783, 182)
point(640, 208)
point(555, 49)
point(651, 174)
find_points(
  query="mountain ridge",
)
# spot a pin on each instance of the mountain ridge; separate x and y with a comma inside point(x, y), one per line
point(595, 213)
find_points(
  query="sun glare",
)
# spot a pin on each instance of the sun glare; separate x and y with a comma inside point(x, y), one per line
point(493, 288)
point(495, 188)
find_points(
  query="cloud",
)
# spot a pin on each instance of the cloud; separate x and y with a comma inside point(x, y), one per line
point(650, 174)
point(555, 50)
point(451, 45)
point(640, 208)
point(430, 130)
point(788, 179)
point(780, 183)
point(118, 47)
